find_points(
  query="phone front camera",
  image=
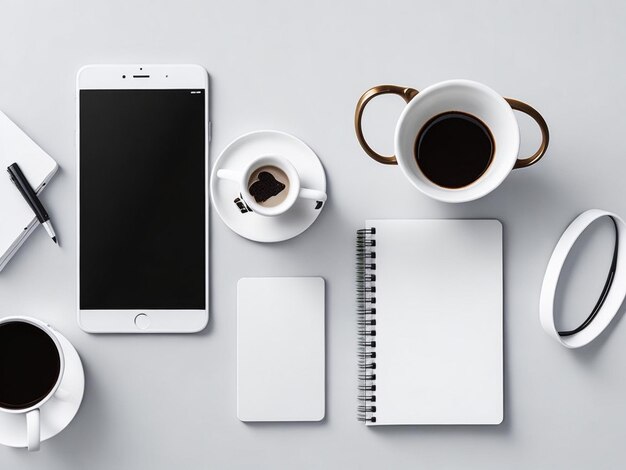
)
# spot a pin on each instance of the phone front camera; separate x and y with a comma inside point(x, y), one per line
point(123, 76)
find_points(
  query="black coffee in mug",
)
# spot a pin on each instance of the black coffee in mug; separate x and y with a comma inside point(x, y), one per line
point(29, 365)
point(454, 149)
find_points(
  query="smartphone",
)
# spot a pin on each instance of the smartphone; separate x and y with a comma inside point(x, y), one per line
point(142, 144)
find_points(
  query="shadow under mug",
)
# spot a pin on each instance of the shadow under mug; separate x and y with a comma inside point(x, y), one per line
point(464, 96)
point(32, 411)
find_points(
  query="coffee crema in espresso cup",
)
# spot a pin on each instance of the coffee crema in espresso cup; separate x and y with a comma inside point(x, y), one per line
point(270, 185)
point(455, 141)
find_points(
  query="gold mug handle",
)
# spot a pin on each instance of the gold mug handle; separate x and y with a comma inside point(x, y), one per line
point(407, 94)
point(545, 134)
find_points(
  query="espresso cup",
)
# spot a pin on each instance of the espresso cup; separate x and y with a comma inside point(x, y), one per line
point(283, 185)
point(32, 365)
point(476, 102)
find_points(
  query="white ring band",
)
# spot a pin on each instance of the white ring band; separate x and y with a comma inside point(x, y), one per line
point(613, 298)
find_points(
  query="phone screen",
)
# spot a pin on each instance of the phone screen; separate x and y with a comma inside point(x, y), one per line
point(142, 199)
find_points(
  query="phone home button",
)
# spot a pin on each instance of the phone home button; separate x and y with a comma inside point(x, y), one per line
point(142, 321)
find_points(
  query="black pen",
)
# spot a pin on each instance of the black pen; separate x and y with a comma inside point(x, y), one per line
point(18, 178)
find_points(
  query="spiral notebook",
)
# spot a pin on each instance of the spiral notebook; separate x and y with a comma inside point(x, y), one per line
point(429, 296)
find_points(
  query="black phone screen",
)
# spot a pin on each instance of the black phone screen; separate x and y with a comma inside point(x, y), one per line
point(142, 190)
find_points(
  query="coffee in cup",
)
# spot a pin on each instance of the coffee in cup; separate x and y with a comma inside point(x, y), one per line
point(268, 185)
point(454, 149)
point(29, 365)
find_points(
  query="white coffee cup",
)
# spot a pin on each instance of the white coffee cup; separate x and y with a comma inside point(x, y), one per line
point(242, 178)
point(32, 412)
point(463, 96)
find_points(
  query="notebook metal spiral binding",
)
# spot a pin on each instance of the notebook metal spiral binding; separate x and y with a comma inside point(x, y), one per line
point(366, 323)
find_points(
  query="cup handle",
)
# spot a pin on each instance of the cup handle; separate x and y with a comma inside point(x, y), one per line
point(312, 194)
point(545, 134)
point(229, 175)
point(33, 430)
point(407, 94)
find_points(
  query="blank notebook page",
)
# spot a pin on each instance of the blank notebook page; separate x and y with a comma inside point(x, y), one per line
point(280, 349)
point(439, 321)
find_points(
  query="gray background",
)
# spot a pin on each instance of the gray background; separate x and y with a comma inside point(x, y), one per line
point(170, 401)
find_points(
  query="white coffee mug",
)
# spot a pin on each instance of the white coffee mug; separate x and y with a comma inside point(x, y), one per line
point(463, 96)
point(242, 178)
point(32, 412)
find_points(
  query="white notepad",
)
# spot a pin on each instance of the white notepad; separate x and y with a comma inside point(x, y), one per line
point(430, 319)
point(280, 349)
point(17, 220)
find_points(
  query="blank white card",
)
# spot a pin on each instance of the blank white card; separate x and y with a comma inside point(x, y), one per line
point(280, 349)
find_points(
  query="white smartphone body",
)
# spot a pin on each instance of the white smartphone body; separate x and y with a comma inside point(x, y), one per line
point(142, 144)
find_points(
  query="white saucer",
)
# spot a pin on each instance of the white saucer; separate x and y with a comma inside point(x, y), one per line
point(257, 227)
point(56, 414)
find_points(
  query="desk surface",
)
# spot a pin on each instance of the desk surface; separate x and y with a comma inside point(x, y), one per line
point(170, 401)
